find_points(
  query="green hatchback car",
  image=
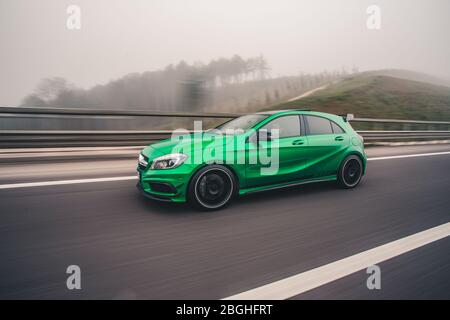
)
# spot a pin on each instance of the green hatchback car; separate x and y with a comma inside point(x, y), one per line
point(252, 153)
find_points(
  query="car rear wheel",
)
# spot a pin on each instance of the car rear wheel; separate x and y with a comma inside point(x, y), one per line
point(350, 172)
point(212, 187)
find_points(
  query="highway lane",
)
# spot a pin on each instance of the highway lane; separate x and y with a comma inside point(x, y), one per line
point(401, 277)
point(129, 247)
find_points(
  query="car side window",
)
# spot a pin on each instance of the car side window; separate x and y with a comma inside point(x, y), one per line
point(336, 128)
point(288, 126)
point(318, 125)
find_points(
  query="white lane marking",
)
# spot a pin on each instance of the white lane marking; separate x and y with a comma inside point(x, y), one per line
point(60, 182)
point(302, 282)
point(409, 156)
point(66, 149)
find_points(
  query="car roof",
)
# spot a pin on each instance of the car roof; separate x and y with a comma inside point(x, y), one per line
point(271, 112)
point(307, 111)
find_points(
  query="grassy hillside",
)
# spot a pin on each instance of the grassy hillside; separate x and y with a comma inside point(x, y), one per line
point(377, 95)
point(409, 75)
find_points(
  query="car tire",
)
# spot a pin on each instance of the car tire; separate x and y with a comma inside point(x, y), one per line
point(350, 172)
point(212, 188)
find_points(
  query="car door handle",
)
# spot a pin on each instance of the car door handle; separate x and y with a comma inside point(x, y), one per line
point(339, 138)
point(298, 142)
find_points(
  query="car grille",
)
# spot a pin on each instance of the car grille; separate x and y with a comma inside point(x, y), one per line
point(162, 187)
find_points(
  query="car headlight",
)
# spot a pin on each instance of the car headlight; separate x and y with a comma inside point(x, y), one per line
point(169, 161)
point(142, 161)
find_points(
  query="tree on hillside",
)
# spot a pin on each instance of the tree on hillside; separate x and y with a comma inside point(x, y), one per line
point(48, 89)
point(222, 82)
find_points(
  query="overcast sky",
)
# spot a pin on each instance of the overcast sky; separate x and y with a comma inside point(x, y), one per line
point(119, 37)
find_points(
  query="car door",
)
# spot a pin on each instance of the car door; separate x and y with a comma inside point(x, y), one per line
point(287, 153)
point(326, 141)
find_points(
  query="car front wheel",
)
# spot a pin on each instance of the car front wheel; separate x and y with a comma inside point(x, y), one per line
point(212, 187)
point(350, 172)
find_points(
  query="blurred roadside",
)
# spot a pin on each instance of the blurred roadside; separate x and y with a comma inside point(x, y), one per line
point(13, 155)
point(66, 154)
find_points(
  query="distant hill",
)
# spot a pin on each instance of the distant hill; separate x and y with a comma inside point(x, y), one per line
point(409, 75)
point(396, 94)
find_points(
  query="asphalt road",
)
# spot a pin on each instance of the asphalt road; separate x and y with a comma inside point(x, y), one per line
point(130, 247)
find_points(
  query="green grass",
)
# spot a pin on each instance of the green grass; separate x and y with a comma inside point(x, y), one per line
point(374, 95)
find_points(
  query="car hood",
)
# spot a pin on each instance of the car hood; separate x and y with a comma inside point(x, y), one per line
point(186, 144)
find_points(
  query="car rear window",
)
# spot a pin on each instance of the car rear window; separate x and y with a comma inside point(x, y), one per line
point(319, 125)
point(336, 128)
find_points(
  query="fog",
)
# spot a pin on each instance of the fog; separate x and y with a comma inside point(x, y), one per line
point(121, 37)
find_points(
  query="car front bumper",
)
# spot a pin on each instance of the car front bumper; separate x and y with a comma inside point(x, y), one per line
point(150, 196)
point(165, 185)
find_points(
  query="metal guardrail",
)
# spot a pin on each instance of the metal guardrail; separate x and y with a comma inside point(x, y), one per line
point(50, 138)
point(404, 135)
point(401, 121)
point(143, 113)
point(23, 138)
point(108, 113)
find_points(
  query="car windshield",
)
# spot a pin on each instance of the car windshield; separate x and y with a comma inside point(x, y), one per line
point(241, 124)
